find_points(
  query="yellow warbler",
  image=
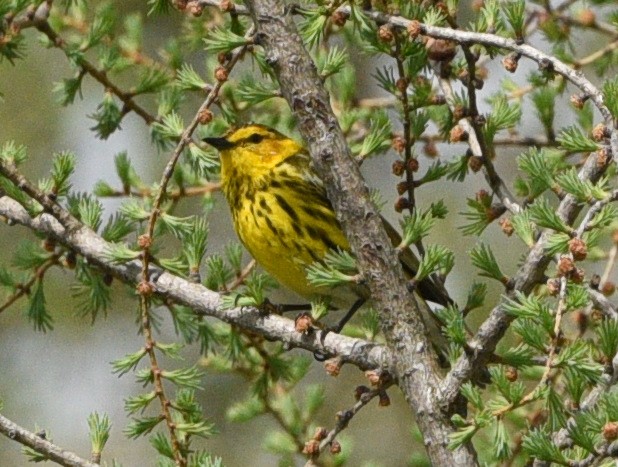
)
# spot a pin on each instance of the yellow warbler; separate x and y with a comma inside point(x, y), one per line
point(283, 217)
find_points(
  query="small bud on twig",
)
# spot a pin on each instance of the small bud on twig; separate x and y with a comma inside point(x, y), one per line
point(440, 50)
point(401, 204)
point(565, 266)
point(414, 29)
point(339, 18)
point(320, 433)
point(70, 260)
point(373, 376)
point(511, 61)
point(459, 112)
point(398, 143)
point(311, 447)
point(145, 288)
point(608, 289)
point(383, 399)
point(223, 57)
point(335, 447)
point(600, 132)
point(333, 366)
point(475, 163)
point(49, 245)
point(385, 33)
point(399, 168)
point(221, 74)
point(602, 157)
point(578, 275)
point(511, 374)
point(430, 149)
point(507, 226)
point(144, 241)
point(303, 323)
point(578, 100)
point(413, 165)
point(402, 187)
point(227, 6)
point(610, 431)
point(587, 17)
point(553, 286)
point(458, 134)
point(402, 85)
point(195, 8)
point(205, 117)
point(578, 249)
point(581, 319)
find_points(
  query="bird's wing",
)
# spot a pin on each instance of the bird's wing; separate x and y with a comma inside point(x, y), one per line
point(428, 288)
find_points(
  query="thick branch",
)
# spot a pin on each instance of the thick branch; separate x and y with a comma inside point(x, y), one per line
point(414, 360)
point(42, 446)
point(91, 246)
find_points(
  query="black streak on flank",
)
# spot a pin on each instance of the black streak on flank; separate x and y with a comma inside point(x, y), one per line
point(287, 208)
point(320, 235)
point(264, 205)
point(253, 216)
point(318, 214)
point(270, 225)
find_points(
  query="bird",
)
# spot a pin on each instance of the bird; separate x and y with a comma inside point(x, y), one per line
point(283, 217)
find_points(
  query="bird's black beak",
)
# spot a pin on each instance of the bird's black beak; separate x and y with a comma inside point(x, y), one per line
point(219, 143)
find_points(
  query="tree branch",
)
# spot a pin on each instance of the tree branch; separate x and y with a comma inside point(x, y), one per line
point(82, 240)
point(529, 274)
point(415, 362)
point(53, 452)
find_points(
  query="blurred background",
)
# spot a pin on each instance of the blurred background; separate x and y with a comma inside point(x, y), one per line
point(55, 380)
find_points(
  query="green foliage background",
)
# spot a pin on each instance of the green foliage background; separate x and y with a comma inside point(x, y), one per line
point(56, 379)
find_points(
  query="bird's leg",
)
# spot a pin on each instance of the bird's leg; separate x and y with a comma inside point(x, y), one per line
point(348, 316)
point(271, 308)
point(319, 356)
point(286, 307)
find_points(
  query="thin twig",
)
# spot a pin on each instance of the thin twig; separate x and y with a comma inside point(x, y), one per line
point(24, 288)
point(146, 192)
point(240, 278)
point(39, 20)
point(407, 127)
point(593, 57)
point(493, 179)
point(185, 138)
point(609, 266)
point(343, 420)
point(534, 393)
point(52, 451)
point(146, 240)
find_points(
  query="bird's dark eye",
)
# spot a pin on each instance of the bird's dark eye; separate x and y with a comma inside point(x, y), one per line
point(255, 138)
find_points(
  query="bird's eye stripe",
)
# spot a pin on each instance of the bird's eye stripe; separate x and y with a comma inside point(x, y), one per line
point(253, 138)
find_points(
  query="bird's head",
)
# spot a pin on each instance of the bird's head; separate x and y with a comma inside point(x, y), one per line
point(252, 150)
